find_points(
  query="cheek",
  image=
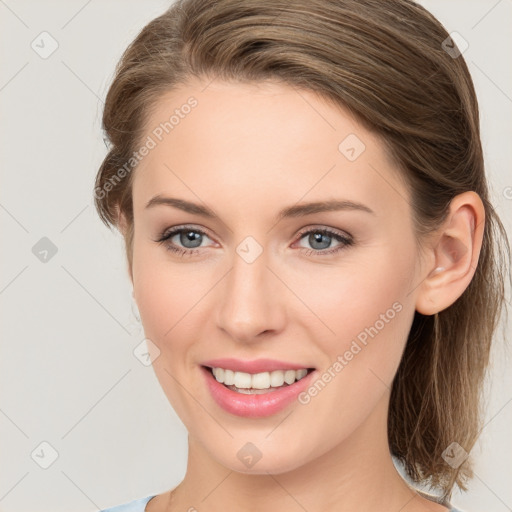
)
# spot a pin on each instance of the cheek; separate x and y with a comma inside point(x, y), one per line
point(168, 298)
point(361, 358)
point(364, 312)
point(165, 291)
point(353, 296)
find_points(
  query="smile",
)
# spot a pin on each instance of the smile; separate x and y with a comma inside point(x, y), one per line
point(257, 383)
point(256, 395)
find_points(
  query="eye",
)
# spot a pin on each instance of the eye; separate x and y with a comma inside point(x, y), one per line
point(320, 239)
point(190, 237)
point(188, 240)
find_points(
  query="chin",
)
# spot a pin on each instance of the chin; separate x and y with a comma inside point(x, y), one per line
point(260, 460)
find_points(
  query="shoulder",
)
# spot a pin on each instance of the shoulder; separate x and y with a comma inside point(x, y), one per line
point(133, 506)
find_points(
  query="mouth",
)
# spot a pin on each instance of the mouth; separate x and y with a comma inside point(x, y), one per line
point(257, 383)
point(256, 395)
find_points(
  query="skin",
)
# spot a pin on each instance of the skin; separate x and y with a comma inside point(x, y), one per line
point(247, 151)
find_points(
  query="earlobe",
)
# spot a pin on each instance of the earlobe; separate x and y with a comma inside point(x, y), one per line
point(455, 250)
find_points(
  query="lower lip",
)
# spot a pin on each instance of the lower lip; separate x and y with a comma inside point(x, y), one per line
point(254, 406)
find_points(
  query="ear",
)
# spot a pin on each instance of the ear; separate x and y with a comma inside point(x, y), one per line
point(454, 249)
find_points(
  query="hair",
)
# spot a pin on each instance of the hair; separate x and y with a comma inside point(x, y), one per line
point(384, 63)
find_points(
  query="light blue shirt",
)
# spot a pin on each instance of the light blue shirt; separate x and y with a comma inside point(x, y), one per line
point(134, 506)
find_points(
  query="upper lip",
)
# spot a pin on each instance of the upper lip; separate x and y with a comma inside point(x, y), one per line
point(253, 366)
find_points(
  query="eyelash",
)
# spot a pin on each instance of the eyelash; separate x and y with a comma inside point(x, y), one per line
point(345, 241)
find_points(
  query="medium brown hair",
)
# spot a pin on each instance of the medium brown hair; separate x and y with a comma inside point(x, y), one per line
point(384, 62)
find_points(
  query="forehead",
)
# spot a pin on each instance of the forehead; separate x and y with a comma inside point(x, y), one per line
point(264, 115)
point(242, 140)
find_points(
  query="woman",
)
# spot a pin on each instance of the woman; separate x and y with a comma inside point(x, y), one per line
point(318, 269)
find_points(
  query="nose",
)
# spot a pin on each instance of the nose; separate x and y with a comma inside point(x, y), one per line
point(250, 302)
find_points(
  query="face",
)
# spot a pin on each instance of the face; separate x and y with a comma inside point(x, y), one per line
point(262, 276)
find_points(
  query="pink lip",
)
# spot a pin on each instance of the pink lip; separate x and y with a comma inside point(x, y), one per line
point(255, 366)
point(255, 406)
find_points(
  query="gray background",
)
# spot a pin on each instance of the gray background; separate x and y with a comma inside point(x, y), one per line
point(68, 373)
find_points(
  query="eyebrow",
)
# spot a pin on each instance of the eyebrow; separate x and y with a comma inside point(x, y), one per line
point(298, 210)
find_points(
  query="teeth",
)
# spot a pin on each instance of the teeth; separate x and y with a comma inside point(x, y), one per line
point(229, 377)
point(263, 380)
